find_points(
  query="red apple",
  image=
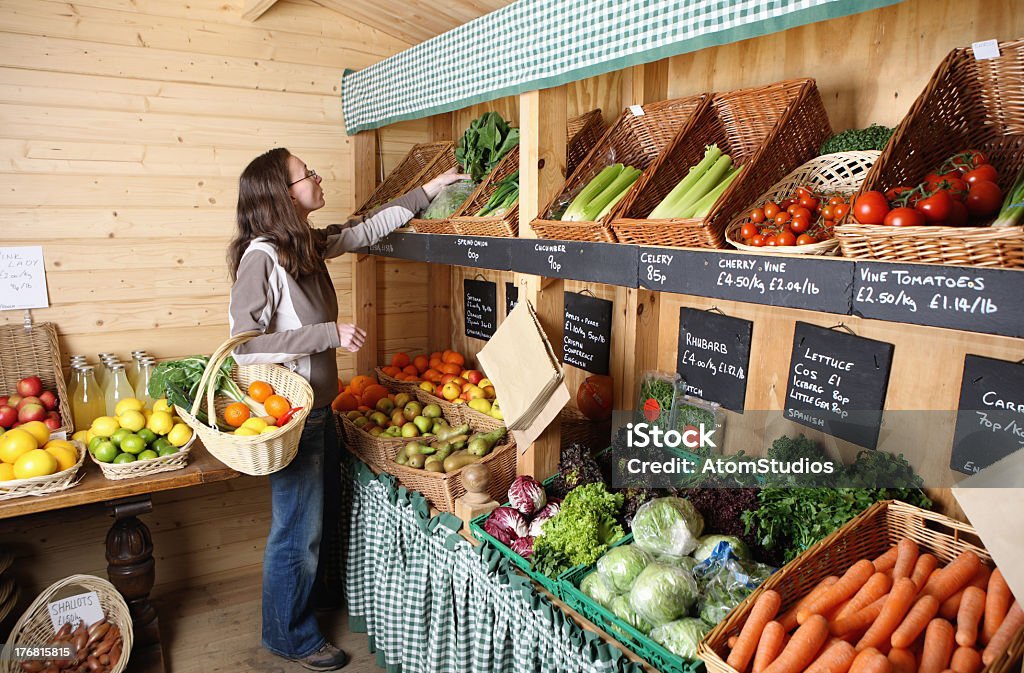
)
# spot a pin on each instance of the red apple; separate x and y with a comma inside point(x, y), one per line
point(474, 376)
point(48, 399)
point(8, 416)
point(25, 401)
point(3, 400)
point(31, 412)
point(53, 414)
point(52, 423)
point(30, 386)
point(13, 401)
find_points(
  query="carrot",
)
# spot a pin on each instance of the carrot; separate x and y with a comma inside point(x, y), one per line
point(848, 585)
point(922, 612)
point(938, 647)
point(972, 606)
point(835, 658)
point(925, 566)
point(788, 618)
point(966, 660)
point(870, 661)
point(886, 561)
point(951, 606)
point(876, 587)
point(953, 577)
point(731, 643)
point(764, 610)
point(802, 647)
point(769, 646)
point(1014, 620)
point(858, 621)
point(905, 559)
point(897, 603)
point(997, 604)
point(902, 661)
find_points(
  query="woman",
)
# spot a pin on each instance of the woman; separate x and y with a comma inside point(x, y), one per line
point(283, 289)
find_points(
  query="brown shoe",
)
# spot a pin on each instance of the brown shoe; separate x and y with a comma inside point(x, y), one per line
point(327, 658)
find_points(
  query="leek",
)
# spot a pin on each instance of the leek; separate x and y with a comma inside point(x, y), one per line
point(621, 184)
point(703, 207)
point(667, 206)
point(574, 212)
point(1012, 212)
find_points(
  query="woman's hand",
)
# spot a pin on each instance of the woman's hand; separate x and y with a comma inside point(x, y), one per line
point(352, 336)
point(433, 188)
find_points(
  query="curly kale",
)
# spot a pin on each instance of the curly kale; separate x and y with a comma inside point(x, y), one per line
point(873, 137)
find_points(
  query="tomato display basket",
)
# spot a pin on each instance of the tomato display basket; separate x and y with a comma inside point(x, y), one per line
point(51, 483)
point(34, 628)
point(144, 468)
point(255, 454)
point(769, 130)
point(33, 350)
point(868, 535)
point(838, 173)
point(967, 104)
point(409, 173)
point(634, 140)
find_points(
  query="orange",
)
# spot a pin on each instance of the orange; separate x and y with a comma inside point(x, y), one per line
point(373, 394)
point(432, 375)
point(435, 363)
point(400, 360)
point(260, 391)
point(236, 414)
point(411, 370)
point(436, 354)
point(451, 368)
point(422, 363)
point(345, 402)
point(359, 383)
point(391, 371)
point(276, 406)
point(454, 358)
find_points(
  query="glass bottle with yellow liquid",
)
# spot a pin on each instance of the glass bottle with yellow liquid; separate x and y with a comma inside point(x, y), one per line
point(102, 368)
point(146, 366)
point(117, 388)
point(136, 368)
point(88, 402)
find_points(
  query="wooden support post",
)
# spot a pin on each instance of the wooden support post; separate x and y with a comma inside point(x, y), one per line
point(363, 175)
point(542, 120)
point(439, 276)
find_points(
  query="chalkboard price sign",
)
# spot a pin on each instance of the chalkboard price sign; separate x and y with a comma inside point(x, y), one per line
point(482, 252)
point(511, 297)
point(837, 383)
point(587, 334)
point(480, 307)
point(415, 247)
point(990, 416)
point(713, 356)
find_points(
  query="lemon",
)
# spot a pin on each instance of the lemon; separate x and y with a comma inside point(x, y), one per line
point(148, 413)
point(267, 430)
point(255, 423)
point(131, 419)
point(58, 442)
point(6, 472)
point(81, 436)
point(38, 430)
point(89, 434)
point(35, 463)
point(16, 443)
point(160, 422)
point(246, 432)
point(128, 404)
point(66, 455)
point(104, 426)
point(162, 405)
point(179, 435)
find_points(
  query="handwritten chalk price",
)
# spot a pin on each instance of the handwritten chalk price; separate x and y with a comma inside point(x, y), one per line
point(22, 278)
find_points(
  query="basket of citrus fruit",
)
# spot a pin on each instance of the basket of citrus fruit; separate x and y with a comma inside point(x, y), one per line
point(33, 464)
point(138, 441)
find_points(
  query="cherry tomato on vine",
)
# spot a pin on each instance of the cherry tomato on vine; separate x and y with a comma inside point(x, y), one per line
point(957, 188)
point(805, 239)
point(757, 241)
point(771, 209)
point(904, 217)
point(804, 192)
point(771, 242)
point(983, 172)
point(984, 199)
point(895, 193)
point(785, 238)
point(840, 211)
point(749, 230)
point(934, 178)
point(827, 213)
point(871, 208)
point(782, 218)
point(809, 202)
point(835, 201)
point(800, 224)
point(800, 211)
point(936, 207)
point(757, 215)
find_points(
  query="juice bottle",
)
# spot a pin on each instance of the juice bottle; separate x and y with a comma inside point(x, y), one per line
point(117, 389)
point(101, 369)
point(73, 382)
point(133, 371)
point(87, 403)
point(146, 366)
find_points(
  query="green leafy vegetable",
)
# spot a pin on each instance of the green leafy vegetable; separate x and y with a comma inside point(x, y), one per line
point(178, 381)
point(448, 200)
point(485, 142)
point(504, 197)
point(873, 137)
point(581, 531)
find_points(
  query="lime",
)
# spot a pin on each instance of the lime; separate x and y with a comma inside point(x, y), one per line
point(118, 436)
point(133, 444)
point(162, 443)
point(167, 450)
point(148, 454)
point(105, 452)
point(94, 442)
point(147, 435)
point(123, 458)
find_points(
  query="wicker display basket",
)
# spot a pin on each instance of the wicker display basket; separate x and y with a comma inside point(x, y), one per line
point(634, 140)
point(578, 429)
point(255, 454)
point(52, 483)
point(393, 384)
point(144, 468)
point(967, 104)
point(479, 420)
point(769, 130)
point(868, 535)
point(444, 162)
point(35, 628)
point(450, 410)
point(404, 177)
point(35, 352)
point(582, 133)
point(838, 173)
point(376, 451)
point(7, 603)
point(465, 222)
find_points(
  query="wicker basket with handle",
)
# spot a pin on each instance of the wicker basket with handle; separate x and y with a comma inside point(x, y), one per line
point(143, 468)
point(406, 175)
point(34, 351)
point(254, 454)
point(34, 628)
point(769, 130)
point(967, 104)
point(51, 483)
point(634, 140)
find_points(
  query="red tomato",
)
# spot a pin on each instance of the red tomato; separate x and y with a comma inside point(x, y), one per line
point(809, 202)
point(840, 210)
point(804, 192)
point(936, 207)
point(896, 192)
point(800, 224)
point(958, 214)
point(770, 241)
point(984, 199)
point(904, 217)
point(757, 215)
point(957, 188)
point(786, 203)
point(782, 218)
point(757, 241)
point(749, 230)
point(805, 239)
point(800, 211)
point(935, 178)
point(826, 212)
point(871, 208)
point(983, 172)
point(771, 209)
point(785, 238)
point(835, 201)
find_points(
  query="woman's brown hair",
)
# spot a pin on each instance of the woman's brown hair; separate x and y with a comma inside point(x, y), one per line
point(265, 210)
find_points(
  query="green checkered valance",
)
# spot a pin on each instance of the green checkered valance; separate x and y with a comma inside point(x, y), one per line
point(535, 44)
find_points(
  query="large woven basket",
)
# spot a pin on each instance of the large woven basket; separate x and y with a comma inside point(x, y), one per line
point(257, 454)
point(34, 628)
point(582, 133)
point(404, 177)
point(52, 483)
point(634, 140)
point(450, 410)
point(967, 104)
point(445, 161)
point(769, 130)
point(35, 352)
point(868, 535)
point(376, 451)
point(144, 468)
point(393, 384)
point(578, 429)
point(838, 173)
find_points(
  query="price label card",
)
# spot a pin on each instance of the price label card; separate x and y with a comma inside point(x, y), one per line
point(482, 252)
point(511, 297)
point(837, 383)
point(794, 282)
point(82, 607)
point(480, 308)
point(713, 356)
point(587, 333)
point(990, 416)
point(962, 298)
point(415, 247)
point(22, 278)
point(576, 260)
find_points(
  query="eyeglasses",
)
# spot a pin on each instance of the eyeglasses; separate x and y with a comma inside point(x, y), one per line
point(310, 173)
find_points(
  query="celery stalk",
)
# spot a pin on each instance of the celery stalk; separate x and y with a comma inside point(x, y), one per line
point(667, 206)
point(703, 207)
point(607, 209)
point(621, 184)
point(574, 212)
point(708, 181)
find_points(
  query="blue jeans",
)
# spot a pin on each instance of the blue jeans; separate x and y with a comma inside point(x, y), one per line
point(304, 499)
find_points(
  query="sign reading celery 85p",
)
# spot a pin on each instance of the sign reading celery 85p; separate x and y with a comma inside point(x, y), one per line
point(714, 355)
point(837, 383)
point(587, 334)
point(990, 416)
point(480, 308)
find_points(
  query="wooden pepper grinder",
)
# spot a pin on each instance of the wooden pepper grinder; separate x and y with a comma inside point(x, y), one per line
point(477, 480)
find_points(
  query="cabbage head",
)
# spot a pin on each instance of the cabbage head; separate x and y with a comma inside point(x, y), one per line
point(621, 565)
point(598, 589)
point(667, 526)
point(681, 636)
point(663, 593)
point(622, 609)
point(707, 544)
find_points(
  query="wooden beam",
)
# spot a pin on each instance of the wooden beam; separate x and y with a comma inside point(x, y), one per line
point(362, 161)
point(254, 9)
point(440, 329)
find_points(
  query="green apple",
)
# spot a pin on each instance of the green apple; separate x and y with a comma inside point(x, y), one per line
point(410, 430)
point(402, 399)
point(386, 405)
point(412, 410)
